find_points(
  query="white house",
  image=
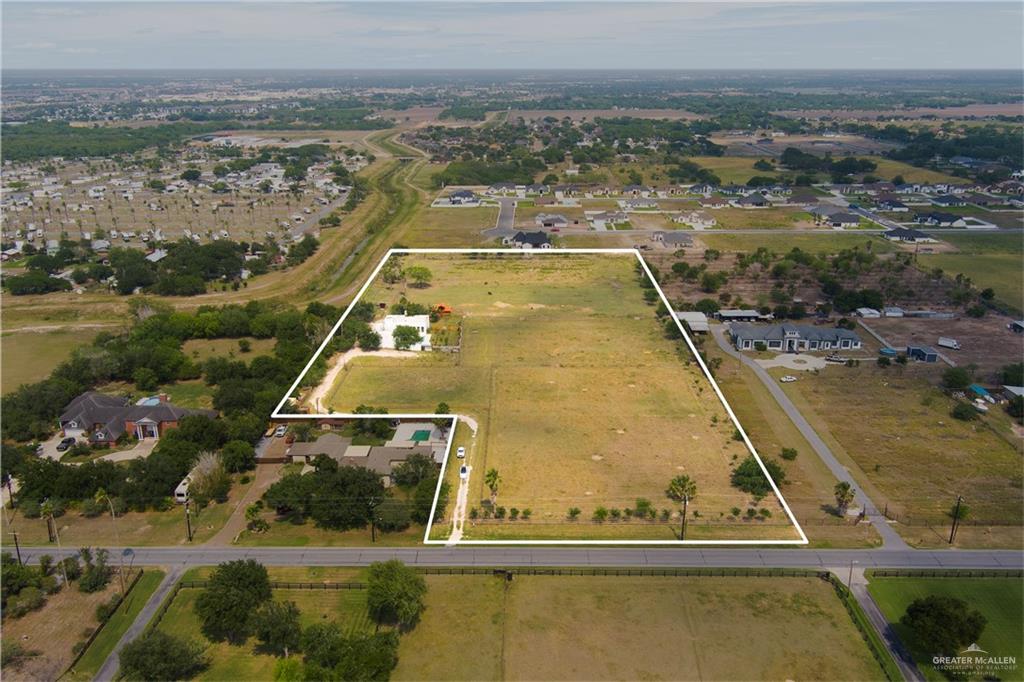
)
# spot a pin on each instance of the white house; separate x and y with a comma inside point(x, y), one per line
point(386, 329)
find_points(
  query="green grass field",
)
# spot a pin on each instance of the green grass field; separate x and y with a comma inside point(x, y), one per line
point(888, 169)
point(201, 349)
point(449, 227)
point(998, 599)
point(991, 260)
point(30, 356)
point(97, 653)
point(733, 170)
point(480, 627)
point(823, 242)
point(580, 398)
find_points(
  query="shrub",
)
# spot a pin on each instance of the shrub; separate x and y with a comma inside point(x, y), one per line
point(749, 478)
point(526, 513)
point(788, 454)
point(964, 412)
point(751, 513)
point(97, 573)
point(499, 512)
point(574, 513)
point(29, 599)
point(157, 655)
point(600, 514)
point(71, 568)
point(735, 511)
point(106, 609)
point(513, 513)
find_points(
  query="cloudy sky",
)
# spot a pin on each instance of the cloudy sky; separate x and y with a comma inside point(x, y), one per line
point(601, 35)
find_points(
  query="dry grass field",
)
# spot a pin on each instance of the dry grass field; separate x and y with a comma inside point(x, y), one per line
point(897, 430)
point(639, 628)
point(449, 227)
point(581, 400)
point(31, 356)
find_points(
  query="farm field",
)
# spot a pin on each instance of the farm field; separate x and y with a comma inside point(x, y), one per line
point(896, 429)
point(569, 374)
point(998, 599)
point(30, 356)
point(66, 618)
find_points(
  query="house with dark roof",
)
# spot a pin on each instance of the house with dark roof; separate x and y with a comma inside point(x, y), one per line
point(790, 338)
point(106, 418)
point(842, 219)
point(556, 220)
point(380, 459)
point(902, 234)
point(940, 219)
point(674, 238)
point(753, 200)
point(463, 197)
point(528, 240)
point(948, 200)
point(922, 353)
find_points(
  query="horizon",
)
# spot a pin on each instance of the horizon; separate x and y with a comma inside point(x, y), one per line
point(590, 36)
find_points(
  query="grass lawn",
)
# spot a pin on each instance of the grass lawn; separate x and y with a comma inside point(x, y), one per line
point(775, 217)
point(66, 618)
point(31, 356)
point(449, 227)
point(286, 534)
point(133, 528)
point(569, 374)
point(896, 429)
point(998, 599)
point(97, 653)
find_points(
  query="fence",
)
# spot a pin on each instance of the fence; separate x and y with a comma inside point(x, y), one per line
point(113, 611)
point(878, 649)
point(699, 572)
point(943, 573)
point(285, 585)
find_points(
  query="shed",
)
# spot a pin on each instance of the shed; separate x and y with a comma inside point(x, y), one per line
point(694, 320)
point(922, 353)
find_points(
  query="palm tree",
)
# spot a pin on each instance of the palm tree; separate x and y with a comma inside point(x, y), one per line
point(100, 497)
point(682, 489)
point(492, 479)
point(844, 493)
point(48, 510)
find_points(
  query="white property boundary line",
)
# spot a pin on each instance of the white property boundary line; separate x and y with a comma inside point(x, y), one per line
point(278, 414)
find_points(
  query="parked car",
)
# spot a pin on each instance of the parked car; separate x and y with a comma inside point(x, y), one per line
point(461, 453)
point(788, 379)
point(280, 431)
point(65, 443)
point(464, 472)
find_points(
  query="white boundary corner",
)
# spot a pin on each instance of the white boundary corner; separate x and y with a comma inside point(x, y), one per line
point(278, 414)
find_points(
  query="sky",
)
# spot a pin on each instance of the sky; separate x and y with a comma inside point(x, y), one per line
point(515, 35)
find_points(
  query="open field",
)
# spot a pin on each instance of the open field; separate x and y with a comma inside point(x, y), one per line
point(31, 356)
point(776, 217)
point(732, 170)
point(97, 653)
point(823, 242)
point(66, 618)
point(998, 599)
point(887, 169)
point(480, 627)
point(991, 260)
point(591, 114)
point(650, 628)
point(564, 363)
point(449, 227)
point(894, 430)
point(148, 529)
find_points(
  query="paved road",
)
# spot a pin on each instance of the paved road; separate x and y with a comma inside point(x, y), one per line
point(890, 538)
point(859, 589)
point(109, 668)
point(506, 224)
point(838, 560)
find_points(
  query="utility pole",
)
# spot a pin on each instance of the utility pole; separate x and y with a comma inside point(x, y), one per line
point(956, 518)
point(188, 521)
point(17, 548)
point(101, 494)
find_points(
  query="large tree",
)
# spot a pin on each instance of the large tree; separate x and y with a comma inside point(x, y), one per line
point(943, 625)
point(276, 625)
point(395, 592)
point(160, 656)
point(235, 590)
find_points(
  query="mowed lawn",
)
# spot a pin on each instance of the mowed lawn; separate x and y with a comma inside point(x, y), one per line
point(633, 628)
point(998, 599)
point(31, 356)
point(990, 260)
point(449, 227)
point(581, 400)
point(898, 430)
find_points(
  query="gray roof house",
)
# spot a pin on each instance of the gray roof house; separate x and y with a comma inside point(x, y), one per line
point(379, 459)
point(529, 240)
point(106, 418)
point(792, 337)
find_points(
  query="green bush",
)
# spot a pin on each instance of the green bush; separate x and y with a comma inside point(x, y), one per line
point(29, 599)
point(964, 412)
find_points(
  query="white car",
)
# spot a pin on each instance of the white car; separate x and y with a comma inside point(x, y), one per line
point(788, 379)
point(461, 453)
point(280, 431)
point(464, 472)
